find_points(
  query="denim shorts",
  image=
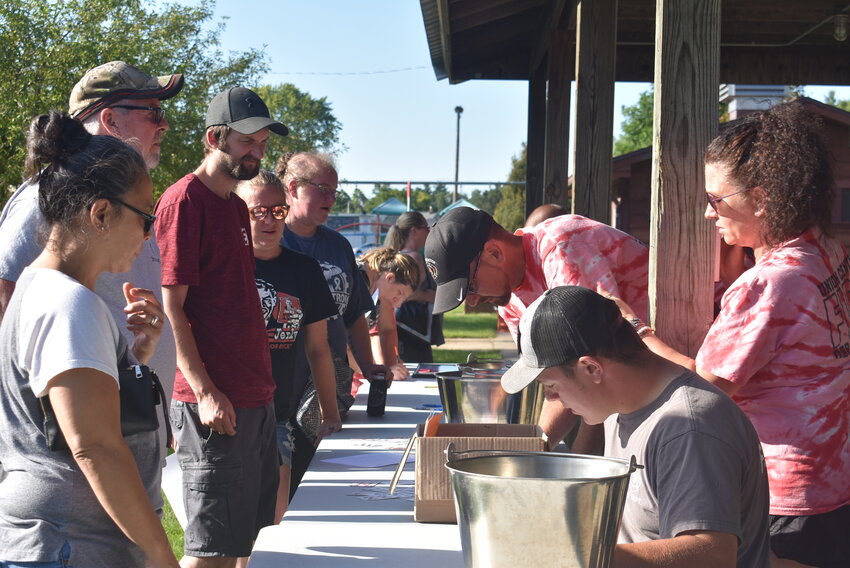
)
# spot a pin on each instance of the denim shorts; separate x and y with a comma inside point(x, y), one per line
point(285, 442)
point(229, 482)
point(61, 562)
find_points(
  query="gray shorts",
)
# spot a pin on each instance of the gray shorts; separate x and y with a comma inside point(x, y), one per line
point(229, 482)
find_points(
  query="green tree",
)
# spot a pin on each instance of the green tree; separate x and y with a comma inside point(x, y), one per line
point(832, 100)
point(510, 212)
point(636, 125)
point(312, 124)
point(45, 47)
point(486, 199)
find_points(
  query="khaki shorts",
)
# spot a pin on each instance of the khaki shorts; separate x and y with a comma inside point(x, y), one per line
point(229, 482)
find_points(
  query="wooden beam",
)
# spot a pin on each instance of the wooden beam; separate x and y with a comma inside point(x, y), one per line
point(799, 65)
point(536, 140)
point(596, 34)
point(467, 15)
point(552, 16)
point(559, 73)
point(681, 289)
point(445, 34)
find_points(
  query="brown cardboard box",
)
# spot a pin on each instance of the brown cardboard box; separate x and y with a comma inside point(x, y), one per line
point(433, 499)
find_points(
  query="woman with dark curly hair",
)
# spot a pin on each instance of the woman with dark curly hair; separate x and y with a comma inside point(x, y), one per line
point(780, 344)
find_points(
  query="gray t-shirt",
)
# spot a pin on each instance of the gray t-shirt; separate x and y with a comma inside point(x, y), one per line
point(54, 324)
point(21, 224)
point(704, 469)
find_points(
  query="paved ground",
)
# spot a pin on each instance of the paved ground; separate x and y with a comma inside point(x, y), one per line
point(502, 343)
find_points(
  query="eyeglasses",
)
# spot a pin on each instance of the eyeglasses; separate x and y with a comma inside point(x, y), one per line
point(149, 219)
point(713, 200)
point(470, 289)
point(158, 112)
point(259, 213)
point(325, 189)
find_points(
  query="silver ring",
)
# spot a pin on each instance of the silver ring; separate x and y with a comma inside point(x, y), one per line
point(154, 320)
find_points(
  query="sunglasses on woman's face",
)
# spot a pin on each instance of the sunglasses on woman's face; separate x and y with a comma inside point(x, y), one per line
point(259, 213)
point(149, 219)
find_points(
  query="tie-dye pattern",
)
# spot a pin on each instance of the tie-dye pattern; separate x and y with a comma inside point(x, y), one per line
point(571, 250)
point(783, 335)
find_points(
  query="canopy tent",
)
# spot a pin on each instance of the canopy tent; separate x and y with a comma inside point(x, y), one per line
point(391, 206)
point(458, 203)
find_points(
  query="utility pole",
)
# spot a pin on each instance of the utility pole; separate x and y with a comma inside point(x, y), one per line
point(458, 110)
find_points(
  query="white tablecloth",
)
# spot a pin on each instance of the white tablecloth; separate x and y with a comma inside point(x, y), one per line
point(341, 515)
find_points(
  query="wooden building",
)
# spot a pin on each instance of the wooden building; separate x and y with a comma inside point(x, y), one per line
point(687, 48)
point(632, 182)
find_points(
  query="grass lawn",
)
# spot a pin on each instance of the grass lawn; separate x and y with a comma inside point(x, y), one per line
point(459, 355)
point(458, 324)
point(173, 530)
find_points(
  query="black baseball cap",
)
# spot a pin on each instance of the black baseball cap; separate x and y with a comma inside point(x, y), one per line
point(560, 326)
point(453, 242)
point(242, 110)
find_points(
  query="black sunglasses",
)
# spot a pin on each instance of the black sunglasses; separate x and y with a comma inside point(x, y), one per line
point(259, 213)
point(158, 112)
point(149, 219)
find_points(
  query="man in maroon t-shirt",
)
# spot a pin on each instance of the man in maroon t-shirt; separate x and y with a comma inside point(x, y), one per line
point(222, 411)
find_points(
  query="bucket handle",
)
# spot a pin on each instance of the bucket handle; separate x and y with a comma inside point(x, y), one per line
point(452, 454)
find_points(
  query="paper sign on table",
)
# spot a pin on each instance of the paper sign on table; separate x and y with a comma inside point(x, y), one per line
point(371, 459)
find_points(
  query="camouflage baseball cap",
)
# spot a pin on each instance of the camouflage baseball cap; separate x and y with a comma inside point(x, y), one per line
point(118, 80)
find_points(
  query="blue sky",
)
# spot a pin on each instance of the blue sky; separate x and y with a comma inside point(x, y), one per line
point(397, 125)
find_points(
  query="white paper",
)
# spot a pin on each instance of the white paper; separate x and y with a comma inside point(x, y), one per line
point(172, 486)
point(371, 459)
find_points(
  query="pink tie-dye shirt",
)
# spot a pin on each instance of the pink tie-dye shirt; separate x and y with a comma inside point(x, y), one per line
point(571, 250)
point(783, 336)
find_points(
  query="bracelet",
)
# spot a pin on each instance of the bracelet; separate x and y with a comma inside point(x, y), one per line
point(640, 327)
point(644, 331)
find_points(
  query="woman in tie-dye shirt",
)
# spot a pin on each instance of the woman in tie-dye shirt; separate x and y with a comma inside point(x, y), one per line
point(781, 343)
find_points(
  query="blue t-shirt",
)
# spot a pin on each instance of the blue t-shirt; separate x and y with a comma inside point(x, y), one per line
point(335, 256)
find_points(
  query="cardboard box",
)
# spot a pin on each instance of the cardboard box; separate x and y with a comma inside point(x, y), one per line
point(433, 497)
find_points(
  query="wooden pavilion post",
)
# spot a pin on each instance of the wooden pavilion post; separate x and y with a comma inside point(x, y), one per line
point(596, 38)
point(559, 74)
point(682, 241)
point(536, 140)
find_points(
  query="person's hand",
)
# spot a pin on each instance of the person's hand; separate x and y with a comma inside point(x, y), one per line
point(145, 318)
point(399, 372)
point(216, 412)
point(625, 310)
point(327, 427)
point(369, 372)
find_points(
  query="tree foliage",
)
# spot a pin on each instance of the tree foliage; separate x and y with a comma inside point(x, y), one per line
point(510, 212)
point(831, 99)
point(312, 124)
point(636, 125)
point(45, 47)
point(425, 198)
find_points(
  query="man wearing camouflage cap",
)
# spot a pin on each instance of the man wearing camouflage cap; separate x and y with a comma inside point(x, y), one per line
point(114, 99)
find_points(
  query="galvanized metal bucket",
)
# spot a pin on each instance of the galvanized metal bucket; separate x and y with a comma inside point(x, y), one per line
point(476, 396)
point(538, 509)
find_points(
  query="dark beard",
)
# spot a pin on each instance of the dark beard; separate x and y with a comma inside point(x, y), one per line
point(238, 170)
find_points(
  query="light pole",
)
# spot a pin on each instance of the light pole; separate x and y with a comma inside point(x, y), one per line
point(458, 110)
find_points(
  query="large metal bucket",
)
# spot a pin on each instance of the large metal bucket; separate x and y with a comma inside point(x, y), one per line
point(538, 509)
point(477, 396)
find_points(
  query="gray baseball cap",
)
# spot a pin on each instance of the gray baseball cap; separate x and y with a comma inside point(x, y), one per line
point(560, 326)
